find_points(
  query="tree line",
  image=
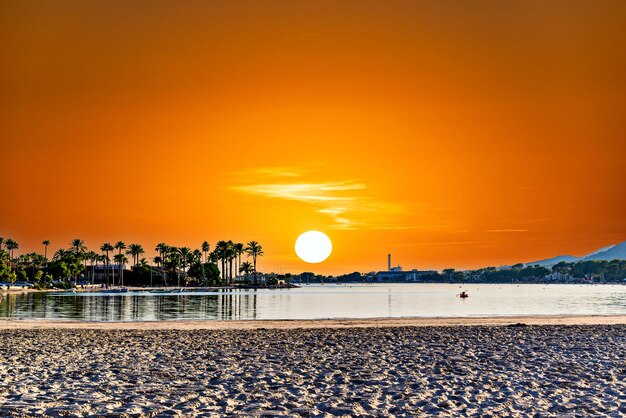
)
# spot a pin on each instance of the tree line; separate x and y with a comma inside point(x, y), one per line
point(592, 271)
point(223, 265)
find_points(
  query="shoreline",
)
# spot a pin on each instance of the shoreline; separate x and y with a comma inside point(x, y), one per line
point(290, 324)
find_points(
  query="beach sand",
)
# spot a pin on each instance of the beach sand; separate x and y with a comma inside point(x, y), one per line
point(399, 367)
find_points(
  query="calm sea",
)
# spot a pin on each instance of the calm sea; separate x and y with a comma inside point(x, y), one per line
point(323, 301)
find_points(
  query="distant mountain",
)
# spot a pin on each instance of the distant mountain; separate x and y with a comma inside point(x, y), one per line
point(601, 250)
point(607, 253)
point(549, 262)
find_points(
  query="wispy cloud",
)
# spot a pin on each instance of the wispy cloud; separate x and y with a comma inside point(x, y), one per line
point(305, 192)
point(349, 202)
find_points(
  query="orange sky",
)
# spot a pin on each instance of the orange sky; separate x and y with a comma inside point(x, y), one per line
point(456, 133)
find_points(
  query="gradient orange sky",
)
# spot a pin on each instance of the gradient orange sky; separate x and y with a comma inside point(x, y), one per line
point(449, 133)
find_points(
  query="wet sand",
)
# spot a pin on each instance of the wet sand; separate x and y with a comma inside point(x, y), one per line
point(380, 367)
point(313, 323)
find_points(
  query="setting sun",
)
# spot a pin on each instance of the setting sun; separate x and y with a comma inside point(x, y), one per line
point(313, 247)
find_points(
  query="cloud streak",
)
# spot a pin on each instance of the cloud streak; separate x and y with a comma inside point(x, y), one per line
point(305, 192)
point(348, 202)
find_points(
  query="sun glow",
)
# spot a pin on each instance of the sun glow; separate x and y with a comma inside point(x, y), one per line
point(313, 247)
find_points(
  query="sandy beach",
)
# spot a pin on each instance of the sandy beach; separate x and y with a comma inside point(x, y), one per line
point(553, 366)
point(313, 323)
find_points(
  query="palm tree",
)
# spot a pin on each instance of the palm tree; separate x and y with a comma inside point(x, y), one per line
point(238, 252)
point(61, 254)
point(246, 268)
point(45, 248)
point(105, 248)
point(11, 246)
point(78, 246)
point(214, 257)
point(185, 259)
point(119, 246)
point(162, 249)
point(135, 250)
point(254, 250)
point(230, 254)
point(197, 256)
point(221, 251)
point(173, 261)
point(120, 259)
point(205, 250)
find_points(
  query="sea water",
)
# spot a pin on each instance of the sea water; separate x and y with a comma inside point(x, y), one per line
point(323, 301)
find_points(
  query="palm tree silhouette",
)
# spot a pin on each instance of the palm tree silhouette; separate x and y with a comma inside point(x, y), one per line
point(214, 257)
point(185, 259)
point(196, 257)
point(162, 249)
point(238, 252)
point(254, 250)
point(221, 252)
point(135, 250)
point(78, 246)
point(246, 268)
point(120, 259)
point(11, 246)
point(205, 250)
point(173, 261)
point(105, 248)
point(230, 255)
point(119, 246)
point(45, 248)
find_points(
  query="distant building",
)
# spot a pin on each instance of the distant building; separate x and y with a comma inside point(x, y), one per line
point(396, 274)
point(402, 276)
